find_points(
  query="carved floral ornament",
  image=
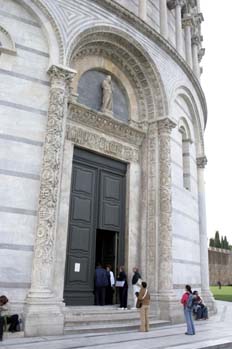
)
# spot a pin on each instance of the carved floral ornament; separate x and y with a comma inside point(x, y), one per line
point(51, 167)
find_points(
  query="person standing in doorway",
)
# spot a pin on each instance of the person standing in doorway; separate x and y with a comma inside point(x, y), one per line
point(110, 287)
point(144, 299)
point(101, 282)
point(123, 290)
point(136, 284)
point(188, 301)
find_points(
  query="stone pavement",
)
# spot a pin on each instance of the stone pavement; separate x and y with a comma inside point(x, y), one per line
point(213, 333)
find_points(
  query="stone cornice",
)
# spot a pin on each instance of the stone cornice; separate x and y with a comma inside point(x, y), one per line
point(159, 40)
point(105, 123)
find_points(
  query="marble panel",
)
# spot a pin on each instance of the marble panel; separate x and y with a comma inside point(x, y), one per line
point(30, 93)
point(17, 122)
point(19, 192)
point(186, 274)
point(18, 156)
point(20, 270)
point(17, 229)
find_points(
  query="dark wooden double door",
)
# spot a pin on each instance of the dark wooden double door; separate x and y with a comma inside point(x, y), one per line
point(96, 222)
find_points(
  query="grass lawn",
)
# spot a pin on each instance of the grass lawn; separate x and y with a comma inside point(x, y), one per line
point(224, 294)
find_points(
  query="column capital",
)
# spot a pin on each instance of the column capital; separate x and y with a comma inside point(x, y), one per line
point(202, 161)
point(198, 17)
point(192, 3)
point(60, 76)
point(201, 53)
point(187, 21)
point(166, 124)
point(61, 72)
point(196, 40)
point(173, 3)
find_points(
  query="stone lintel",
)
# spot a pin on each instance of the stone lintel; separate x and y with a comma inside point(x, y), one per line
point(105, 123)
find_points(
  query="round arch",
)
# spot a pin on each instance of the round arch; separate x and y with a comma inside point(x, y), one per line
point(188, 98)
point(128, 55)
point(183, 125)
point(51, 30)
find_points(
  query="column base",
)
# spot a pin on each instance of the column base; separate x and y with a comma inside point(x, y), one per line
point(169, 308)
point(209, 301)
point(43, 317)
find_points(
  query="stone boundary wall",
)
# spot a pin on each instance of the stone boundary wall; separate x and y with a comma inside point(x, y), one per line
point(220, 266)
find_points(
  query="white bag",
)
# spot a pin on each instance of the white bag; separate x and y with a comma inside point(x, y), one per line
point(120, 283)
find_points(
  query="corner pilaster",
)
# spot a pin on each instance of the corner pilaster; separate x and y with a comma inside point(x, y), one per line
point(205, 291)
point(42, 304)
point(168, 302)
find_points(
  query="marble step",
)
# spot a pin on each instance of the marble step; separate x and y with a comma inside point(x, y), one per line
point(104, 327)
point(9, 335)
point(113, 316)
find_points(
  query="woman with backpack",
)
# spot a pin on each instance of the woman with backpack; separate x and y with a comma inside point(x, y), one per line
point(188, 301)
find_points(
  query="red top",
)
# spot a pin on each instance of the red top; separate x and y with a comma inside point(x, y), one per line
point(184, 298)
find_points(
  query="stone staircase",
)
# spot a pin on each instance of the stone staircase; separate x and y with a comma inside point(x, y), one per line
point(94, 319)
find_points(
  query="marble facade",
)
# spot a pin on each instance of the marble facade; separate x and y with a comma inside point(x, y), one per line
point(162, 144)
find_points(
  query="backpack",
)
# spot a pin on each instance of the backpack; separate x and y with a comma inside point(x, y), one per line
point(190, 301)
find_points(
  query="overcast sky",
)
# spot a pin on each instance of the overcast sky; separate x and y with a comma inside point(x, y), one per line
point(216, 82)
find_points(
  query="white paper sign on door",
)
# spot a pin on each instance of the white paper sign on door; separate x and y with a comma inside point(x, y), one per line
point(77, 267)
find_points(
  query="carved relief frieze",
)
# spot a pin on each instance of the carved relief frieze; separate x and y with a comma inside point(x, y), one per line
point(152, 205)
point(105, 124)
point(100, 143)
point(165, 126)
point(50, 175)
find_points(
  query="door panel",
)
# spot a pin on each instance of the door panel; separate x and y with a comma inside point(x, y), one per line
point(97, 202)
point(111, 201)
point(80, 252)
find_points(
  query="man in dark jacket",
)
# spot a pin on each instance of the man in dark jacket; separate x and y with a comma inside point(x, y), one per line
point(101, 282)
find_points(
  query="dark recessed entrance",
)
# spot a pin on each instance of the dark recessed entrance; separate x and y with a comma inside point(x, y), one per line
point(107, 248)
point(96, 222)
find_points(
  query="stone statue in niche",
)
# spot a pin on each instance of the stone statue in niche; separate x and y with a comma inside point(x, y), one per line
point(107, 103)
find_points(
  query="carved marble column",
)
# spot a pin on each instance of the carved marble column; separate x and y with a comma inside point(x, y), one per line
point(143, 9)
point(195, 48)
point(187, 23)
point(205, 291)
point(163, 18)
point(41, 302)
point(167, 299)
point(177, 5)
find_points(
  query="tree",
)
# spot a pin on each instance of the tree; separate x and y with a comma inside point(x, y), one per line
point(217, 242)
point(211, 242)
point(222, 242)
point(226, 243)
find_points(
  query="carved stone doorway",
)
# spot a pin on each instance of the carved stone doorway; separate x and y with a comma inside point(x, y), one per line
point(97, 205)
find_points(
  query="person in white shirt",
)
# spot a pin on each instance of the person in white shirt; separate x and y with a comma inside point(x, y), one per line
point(110, 288)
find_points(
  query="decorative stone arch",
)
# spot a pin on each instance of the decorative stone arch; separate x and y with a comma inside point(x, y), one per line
point(183, 125)
point(189, 99)
point(7, 44)
point(88, 63)
point(129, 57)
point(40, 11)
